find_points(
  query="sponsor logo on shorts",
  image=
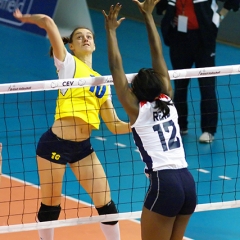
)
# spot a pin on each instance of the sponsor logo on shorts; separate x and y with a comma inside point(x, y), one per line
point(55, 156)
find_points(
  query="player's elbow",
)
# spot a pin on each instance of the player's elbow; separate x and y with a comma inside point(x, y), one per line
point(113, 130)
point(47, 23)
point(119, 127)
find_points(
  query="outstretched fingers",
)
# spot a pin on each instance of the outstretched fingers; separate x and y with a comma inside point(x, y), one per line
point(146, 6)
point(147, 1)
point(18, 15)
point(111, 19)
point(110, 10)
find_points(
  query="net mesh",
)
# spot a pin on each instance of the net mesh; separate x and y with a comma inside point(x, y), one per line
point(27, 110)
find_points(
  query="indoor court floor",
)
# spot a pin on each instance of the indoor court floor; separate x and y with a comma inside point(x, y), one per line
point(215, 167)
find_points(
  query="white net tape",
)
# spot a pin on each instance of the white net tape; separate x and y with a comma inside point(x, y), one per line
point(107, 80)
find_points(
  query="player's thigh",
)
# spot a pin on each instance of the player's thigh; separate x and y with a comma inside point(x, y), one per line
point(50, 176)
point(91, 175)
point(180, 226)
point(155, 226)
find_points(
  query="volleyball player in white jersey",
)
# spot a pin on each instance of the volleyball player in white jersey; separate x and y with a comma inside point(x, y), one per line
point(171, 197)
point(68, 140)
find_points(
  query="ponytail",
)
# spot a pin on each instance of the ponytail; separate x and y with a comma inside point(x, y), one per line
point(65, 40)
point(163, 106)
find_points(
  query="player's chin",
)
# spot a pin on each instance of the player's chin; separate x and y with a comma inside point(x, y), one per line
point(87, 50)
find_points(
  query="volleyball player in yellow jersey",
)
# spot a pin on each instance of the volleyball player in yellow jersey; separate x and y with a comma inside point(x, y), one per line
point(68, 141)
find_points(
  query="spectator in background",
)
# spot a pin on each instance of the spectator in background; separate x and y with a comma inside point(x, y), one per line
point(190, 29)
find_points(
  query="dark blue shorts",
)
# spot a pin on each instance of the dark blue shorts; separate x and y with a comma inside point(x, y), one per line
point(171, 192)
point(62, 151)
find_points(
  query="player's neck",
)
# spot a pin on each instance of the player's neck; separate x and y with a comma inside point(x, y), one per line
point(87, 60)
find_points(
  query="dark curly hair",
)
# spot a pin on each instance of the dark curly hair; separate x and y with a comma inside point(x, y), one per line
point(146, 86)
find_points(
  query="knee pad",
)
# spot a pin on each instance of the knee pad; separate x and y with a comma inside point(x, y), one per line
point(48, 213)
point(109, 208)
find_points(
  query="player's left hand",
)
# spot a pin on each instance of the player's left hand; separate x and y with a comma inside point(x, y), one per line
point(146, 6)
point(111, 19)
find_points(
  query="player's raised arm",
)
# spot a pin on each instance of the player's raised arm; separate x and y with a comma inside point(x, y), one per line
point(125, 96)
point(158, 61)
point(111, 119)
point(45, 22)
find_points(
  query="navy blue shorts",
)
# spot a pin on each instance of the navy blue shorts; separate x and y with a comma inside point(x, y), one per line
point(171, 192)
point(62, 151)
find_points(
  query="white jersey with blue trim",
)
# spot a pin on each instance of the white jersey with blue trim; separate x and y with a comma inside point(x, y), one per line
point(158, 138)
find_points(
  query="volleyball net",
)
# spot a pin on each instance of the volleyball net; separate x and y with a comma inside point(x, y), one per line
point(27, 111)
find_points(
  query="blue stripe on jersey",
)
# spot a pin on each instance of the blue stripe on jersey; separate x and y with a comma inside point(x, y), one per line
point(146, 158)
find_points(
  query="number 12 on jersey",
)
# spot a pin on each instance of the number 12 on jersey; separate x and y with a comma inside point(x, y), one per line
point(166, 127)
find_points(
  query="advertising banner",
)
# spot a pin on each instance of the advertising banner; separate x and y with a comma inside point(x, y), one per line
point(7, 7)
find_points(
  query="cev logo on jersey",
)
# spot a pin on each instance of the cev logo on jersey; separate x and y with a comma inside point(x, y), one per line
point(7, 7)
point(55, 156)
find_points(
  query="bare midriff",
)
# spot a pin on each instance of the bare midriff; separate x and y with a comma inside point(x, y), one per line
point(72, 128)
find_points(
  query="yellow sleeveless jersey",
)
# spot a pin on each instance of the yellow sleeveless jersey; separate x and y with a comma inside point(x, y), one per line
point(82, 102)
